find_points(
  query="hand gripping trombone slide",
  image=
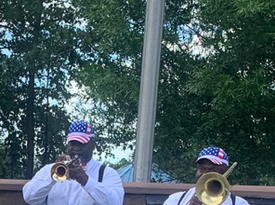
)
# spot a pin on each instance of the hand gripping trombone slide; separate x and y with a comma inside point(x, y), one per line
point(213, 188)
point(60, 170)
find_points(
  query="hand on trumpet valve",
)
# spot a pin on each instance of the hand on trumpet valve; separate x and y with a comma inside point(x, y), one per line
point(77, 173)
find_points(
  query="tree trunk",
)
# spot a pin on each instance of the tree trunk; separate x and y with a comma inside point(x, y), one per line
point(31, 94)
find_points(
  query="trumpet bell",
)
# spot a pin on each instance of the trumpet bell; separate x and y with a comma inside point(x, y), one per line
point(212, 188)
point(59, 172)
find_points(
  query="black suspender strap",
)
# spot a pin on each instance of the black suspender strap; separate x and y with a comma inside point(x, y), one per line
point(100, 173)
point(233, 198)
point(181, 198)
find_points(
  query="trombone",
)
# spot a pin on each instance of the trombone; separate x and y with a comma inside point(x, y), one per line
point(213, 188)
point(60, 170)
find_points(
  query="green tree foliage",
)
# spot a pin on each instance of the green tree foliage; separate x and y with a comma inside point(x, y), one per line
point(216, 83)
point(39, 42)
point(239, 83)
point(112, 70)
point(121, 163)
point(112, 78)
point(222, 96)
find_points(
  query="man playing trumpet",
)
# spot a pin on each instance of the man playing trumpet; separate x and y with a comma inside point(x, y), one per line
point(87, 182)
point(214, 160)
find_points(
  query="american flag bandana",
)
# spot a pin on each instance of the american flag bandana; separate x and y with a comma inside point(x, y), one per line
point(81, 131)
point(215, 155)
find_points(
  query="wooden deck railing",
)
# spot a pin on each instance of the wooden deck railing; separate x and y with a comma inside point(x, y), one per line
point(145, 193)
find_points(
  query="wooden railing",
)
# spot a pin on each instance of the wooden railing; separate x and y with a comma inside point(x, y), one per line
point(145, 193)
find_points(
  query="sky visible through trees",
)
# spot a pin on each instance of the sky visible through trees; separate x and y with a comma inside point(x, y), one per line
point(215, 85)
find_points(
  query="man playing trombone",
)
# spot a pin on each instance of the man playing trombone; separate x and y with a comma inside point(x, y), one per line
point(212, 168)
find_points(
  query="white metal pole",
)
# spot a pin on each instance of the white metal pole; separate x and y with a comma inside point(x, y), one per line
point(148, 90)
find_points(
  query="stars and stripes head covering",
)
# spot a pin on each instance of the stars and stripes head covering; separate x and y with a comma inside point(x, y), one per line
point(81, 131)
point(215, 155)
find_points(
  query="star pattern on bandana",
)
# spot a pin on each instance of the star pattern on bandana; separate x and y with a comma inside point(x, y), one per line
point(81, 126)
point(214, 151)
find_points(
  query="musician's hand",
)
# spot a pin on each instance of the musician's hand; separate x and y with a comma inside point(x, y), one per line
point(63, 158)
point(195, 201)
point(77, 173)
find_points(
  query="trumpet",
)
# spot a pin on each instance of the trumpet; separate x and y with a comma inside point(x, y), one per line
point(60, 170)
point(213, 188)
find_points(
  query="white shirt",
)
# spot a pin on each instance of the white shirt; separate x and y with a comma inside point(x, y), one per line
point(173, 199)
point(43, 190)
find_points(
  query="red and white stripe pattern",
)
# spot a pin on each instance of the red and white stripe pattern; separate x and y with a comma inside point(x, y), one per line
point(220, 154)
point(216, 160)
point(215, 155)
point(88, 129)
point(78, 137)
